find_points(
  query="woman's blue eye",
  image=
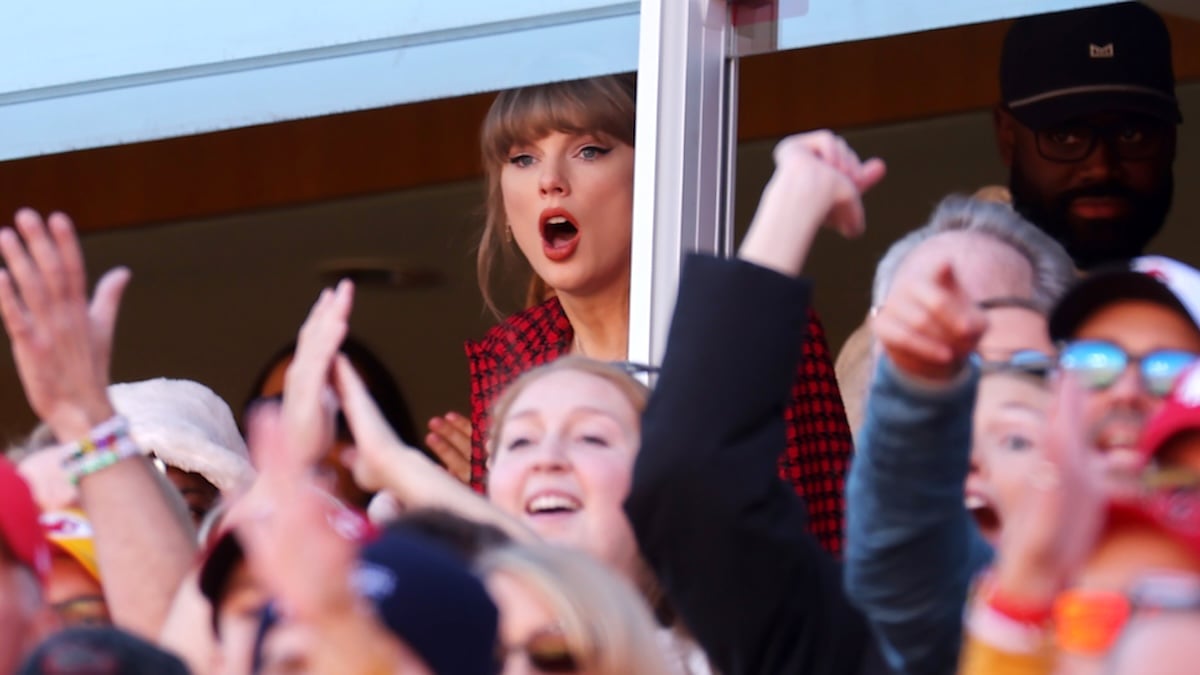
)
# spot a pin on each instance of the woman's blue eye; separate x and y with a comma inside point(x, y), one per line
point(517, 443)
point(595, 440)
point(520, 160)
point(593, 152)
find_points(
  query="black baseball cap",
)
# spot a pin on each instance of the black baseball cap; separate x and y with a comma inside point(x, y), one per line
point(427, 596)
point(100, 651)
point(1063, 65)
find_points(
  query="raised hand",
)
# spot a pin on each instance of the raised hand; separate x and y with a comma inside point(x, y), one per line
point(309, 404)
point(823, 162)
point(450, 440)
point(1056, 523)
point(62, 345)
point(929, 326)
point(290, 528)
point(383, 461)
point(818, 181)
point(375, 441)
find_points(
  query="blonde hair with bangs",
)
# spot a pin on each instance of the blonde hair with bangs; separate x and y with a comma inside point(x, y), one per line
point(607, 625)
point(604, 106)
point(636, 393)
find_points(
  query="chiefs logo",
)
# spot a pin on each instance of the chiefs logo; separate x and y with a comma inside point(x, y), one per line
point(63, 525)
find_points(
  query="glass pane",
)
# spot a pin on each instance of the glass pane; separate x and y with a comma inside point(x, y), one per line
point(810, 22)
point(136, 37)
point(145, 70)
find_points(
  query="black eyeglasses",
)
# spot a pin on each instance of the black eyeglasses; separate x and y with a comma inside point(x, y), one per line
point(1130, 139)
point(85, 610)
point(1099, 364)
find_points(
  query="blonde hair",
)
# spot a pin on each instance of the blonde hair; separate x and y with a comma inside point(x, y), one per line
point(636, 393)
point(603, 105)
point(606, 623)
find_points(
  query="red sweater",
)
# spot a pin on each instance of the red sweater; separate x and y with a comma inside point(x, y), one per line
point(819, 446)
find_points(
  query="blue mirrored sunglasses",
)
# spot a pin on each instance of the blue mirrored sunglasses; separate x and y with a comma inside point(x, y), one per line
point(1022, 362)
point(1099, 364)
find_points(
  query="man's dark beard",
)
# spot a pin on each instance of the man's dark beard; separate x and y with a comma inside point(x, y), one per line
point(1098, 242)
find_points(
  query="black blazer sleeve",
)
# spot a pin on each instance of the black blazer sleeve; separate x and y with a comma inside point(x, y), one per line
point(727, 539)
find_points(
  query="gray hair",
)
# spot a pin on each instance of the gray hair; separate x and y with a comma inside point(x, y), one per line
point(41, 438)
point(1053, 271)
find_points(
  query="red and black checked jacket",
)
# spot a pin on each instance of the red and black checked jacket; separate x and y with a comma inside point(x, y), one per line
point(819, 442)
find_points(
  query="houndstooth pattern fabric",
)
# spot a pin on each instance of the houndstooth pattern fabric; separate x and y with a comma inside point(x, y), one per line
point(819, 442)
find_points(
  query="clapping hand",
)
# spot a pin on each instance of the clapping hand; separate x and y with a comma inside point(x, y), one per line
point(62, 344)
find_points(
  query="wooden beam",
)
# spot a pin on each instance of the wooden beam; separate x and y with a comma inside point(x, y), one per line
point(894, 79)
point(845, 85)
point(255, 167)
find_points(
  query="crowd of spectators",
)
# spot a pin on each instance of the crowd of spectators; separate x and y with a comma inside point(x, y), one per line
point(1021, 492)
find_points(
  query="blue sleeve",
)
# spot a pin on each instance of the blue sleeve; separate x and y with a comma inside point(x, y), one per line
point(912, 547)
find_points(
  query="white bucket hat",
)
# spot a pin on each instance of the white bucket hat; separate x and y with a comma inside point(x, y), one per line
point(187, 426)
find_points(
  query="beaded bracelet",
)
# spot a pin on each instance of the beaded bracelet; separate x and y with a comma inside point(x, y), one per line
point(106, 444)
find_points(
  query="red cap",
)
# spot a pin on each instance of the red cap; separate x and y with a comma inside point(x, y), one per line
point(1175, 513)
point(20, 530)
point(1180, 413)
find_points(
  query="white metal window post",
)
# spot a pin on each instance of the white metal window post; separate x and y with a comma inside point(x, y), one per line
point(683, 171)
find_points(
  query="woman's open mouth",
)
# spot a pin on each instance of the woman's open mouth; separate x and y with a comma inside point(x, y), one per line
point(985, 516)
point(560, 234)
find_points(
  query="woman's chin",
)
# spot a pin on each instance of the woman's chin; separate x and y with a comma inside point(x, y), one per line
point(581, 279)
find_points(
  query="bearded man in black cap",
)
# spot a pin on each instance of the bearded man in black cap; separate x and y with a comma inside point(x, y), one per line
point(1087, 127)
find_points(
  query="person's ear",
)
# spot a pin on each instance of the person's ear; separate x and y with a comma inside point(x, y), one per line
point(1006, 133)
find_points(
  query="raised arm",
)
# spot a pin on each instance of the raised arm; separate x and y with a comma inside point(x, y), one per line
point(319, 379)
point(303, 548)
point(725, 536)
point(911, 545)
point(1046, 540)
point(62, 347)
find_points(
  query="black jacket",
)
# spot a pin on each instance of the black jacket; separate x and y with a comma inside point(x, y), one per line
point(728, 540)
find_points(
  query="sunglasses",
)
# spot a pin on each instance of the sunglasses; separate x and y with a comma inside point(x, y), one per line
point(1022, 362)
point(86, 610)
point(547, 651)
point(1099, 364)
point(1090, 621)
point(1156, 480)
